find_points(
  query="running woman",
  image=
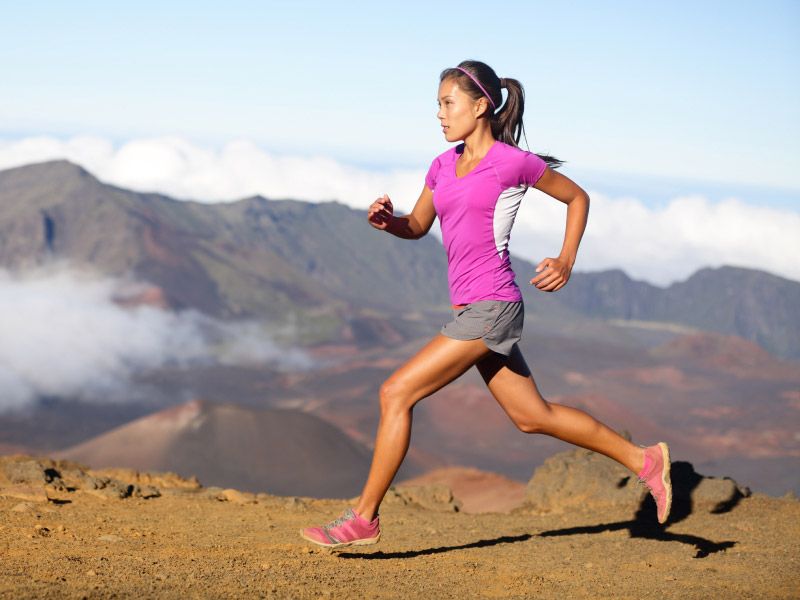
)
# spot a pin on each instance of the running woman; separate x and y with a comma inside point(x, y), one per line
point(475, 189)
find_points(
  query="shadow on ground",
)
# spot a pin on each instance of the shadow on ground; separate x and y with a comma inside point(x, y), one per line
point(643, 525)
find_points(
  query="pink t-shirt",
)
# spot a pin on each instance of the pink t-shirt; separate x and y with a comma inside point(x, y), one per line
point(476, 213)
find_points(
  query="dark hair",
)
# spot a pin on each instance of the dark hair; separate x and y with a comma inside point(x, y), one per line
point(506, 123)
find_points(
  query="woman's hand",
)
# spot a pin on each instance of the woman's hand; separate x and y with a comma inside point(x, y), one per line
point(554, 274)
point(380, 212)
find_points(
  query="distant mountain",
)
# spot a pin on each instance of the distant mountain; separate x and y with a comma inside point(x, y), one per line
point(317, 265)
point(752, 304)
point(323, 268)
point(275, 451)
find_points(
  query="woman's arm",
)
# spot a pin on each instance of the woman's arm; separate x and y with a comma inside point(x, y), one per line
point(555, 272)
point(416, 224)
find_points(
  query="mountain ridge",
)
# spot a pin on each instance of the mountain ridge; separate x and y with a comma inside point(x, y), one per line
point(257, 257)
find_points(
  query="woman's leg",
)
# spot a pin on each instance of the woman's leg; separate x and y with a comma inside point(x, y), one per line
point(511, 383)
point(439, 362)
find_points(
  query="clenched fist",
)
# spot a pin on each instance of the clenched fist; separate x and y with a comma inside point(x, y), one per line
point(380, 212)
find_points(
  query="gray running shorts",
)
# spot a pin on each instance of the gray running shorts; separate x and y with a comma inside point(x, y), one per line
point(498, 322)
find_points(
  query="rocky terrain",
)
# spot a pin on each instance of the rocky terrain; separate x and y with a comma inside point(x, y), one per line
point(583, 529)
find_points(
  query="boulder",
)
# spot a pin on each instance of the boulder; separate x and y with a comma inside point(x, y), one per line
point(433, 496)
point(580, 478)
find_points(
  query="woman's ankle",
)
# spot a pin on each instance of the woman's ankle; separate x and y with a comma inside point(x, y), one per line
point(366, 512)
point(640, 462)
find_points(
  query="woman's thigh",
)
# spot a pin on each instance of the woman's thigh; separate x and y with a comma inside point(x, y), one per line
point(436, 364)
point(510, 381)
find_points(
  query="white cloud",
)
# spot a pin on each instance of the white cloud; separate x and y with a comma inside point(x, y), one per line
point(176, 167)
point(658, 245)
point(65, 332)
point(662, 245)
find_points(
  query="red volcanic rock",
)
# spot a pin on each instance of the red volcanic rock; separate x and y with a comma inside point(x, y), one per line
point(477, 491)
point(148, 296)
point(141, 444)
point(6, 448)
point(611, 411)
point(665, 376)
point(227, 445)
point(729, 353)
point(466, 410)
point(793, 396)
point(749, 442)
point(154, 242)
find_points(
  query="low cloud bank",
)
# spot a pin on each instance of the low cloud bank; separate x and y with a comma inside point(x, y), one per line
point(66, 333)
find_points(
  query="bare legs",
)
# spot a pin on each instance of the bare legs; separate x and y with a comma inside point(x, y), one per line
point(439, 362)
point(509, 380)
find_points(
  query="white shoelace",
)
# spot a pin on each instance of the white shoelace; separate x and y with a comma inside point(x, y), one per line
point(338, 521)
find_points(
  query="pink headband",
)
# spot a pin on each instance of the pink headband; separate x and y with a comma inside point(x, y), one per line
point(479, 85)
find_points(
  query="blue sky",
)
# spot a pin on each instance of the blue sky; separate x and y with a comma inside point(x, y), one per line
point(706, 90)
point(654, 102)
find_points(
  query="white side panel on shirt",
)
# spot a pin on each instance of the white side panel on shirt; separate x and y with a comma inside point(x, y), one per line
point(504, 212)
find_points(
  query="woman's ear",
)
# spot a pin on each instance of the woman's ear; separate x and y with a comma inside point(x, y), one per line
point(481, 106)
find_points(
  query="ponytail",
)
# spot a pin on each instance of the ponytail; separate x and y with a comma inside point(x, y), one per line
point(506, 122)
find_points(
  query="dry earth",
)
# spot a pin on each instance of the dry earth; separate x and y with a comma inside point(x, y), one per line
point(70, 532)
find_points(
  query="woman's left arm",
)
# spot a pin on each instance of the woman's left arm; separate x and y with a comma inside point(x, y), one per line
point(554, 272)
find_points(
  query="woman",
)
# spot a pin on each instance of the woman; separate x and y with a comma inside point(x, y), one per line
point(475, 189)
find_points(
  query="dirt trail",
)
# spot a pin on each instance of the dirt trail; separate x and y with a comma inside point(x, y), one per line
point(196, 542)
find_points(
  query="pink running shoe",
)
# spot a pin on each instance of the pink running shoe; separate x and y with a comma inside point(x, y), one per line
point(348, 530)
point(655, 475)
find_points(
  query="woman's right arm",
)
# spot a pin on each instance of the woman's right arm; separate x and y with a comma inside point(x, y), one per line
point(412, 226)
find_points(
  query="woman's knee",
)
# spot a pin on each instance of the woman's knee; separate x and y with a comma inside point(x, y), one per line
point(534, 422)
point(395, 396)
point(529, 426)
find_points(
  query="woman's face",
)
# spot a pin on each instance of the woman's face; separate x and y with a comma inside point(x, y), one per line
point(458, 113)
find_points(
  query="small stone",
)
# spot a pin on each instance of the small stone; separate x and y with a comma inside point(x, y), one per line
point(33, 493)
point(91, 573)
point(147, 491)
point(237, 497)
point(295, 503)
point(41, 530)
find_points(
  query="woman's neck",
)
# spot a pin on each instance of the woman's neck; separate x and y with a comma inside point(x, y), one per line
point(477, 144)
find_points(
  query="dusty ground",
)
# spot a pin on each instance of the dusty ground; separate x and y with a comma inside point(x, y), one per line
point(195, 543)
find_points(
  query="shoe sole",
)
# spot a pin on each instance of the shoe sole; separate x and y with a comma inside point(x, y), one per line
point(665, 479)
point(362, 542)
